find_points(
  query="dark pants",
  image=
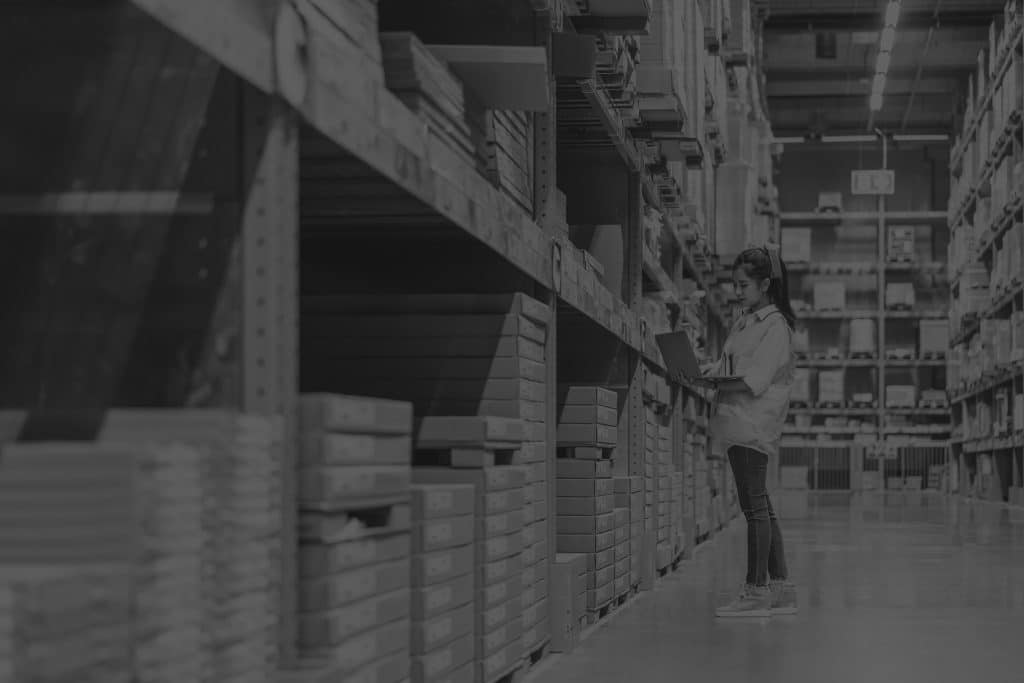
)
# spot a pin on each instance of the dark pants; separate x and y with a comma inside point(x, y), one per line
point(765, 554)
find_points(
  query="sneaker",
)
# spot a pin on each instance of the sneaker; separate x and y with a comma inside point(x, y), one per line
point(783, 597)
point(753, 601)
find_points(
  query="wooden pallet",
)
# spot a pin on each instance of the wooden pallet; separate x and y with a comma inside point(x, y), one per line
point(933, 405)
point(863, 355)
point(535, 655)
point(863, 404)
point(372, 517)
point(902, 258)
point(602, 612)
point(828, 404)
point(828, 355)
point(470, 458)
point(800, 404)
point(933, 355)
point(585, 452)
point(899, 354)
point(513, 674)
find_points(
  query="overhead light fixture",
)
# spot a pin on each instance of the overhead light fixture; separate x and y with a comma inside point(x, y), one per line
point(788, 140)
point(876, 101)
point(848, 138)
point(920, 137)
point(892, 13)
point(882, 63)
point(888, 39)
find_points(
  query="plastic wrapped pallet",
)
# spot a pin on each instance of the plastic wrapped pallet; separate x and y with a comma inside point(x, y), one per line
point(831, 386)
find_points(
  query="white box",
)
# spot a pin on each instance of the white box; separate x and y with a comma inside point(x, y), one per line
point(831, 386)
point(933, 337)
point(900, 396)
point(801, 386)
point(899, 294)
point(796, 245)
point(863, 336)
point(901, 243)
point(829, 296)
point(830, 201)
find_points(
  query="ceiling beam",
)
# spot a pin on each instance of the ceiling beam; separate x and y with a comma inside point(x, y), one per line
point(871, 20)
point(819, 72)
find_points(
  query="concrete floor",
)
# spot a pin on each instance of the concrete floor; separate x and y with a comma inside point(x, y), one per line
point(894, 588)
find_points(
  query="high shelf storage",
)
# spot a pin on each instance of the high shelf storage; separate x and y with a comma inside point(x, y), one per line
point(373, 251)
point(985, 265)
point(869, 289)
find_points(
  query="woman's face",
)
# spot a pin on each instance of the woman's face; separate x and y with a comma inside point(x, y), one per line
point(748, 290)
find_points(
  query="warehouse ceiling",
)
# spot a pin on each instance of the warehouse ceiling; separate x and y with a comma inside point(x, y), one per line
point(819, 58)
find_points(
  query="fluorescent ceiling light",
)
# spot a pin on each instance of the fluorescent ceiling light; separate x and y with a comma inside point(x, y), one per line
point(876, 101)
point(878, 86)
point(920, 137)
point(788, 140)
point(892, 13)
point(848, 138)
point(887, 40)
point(882, 63)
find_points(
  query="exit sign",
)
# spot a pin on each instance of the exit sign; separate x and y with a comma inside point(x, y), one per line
point(880, 181)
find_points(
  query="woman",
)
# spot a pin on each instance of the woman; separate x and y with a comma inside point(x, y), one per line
point(751, 409)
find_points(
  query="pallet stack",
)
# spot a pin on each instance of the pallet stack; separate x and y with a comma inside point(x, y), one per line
point(588, 422)
point(536, 627)
point(444, 582)
point(449, 354)
point(623, 584)
point(484, 452)
point(136, 506)
point(586, 525)
point(354, 521)
point(509, 150)
point(67, 623)
point(569, 600)
point(240, 503)
point(425, 84)
point(678, 532)
point(629, 494)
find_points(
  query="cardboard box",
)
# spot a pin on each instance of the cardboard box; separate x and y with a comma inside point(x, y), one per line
point(831, 386)
point(829, 296)
point(796, 245)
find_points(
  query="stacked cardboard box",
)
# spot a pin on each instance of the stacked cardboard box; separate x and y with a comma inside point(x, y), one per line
point(443, 581)
point(354, 562)
point(536, 628)
point(136, 517)
point(622, 552)
point(829, 296)
point(586, 523)
point(663, 448)
point(588, 422)
point(459, 355)
point(629, 494)
point(67, 623)
point(569, 600)
point(240, 507)
point(678, 533)
point(497, 563)
point(427, 86)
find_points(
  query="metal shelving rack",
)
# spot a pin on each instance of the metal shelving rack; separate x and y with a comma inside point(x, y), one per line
point(298, 75)
point(988, 412)
point(893, 446)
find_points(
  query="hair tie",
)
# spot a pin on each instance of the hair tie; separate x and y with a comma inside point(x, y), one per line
point(775, 259)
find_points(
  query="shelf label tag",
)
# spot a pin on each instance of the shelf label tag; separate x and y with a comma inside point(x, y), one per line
point(877, 181)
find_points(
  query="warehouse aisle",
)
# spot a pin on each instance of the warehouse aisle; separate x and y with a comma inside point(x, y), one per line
point(912, 588)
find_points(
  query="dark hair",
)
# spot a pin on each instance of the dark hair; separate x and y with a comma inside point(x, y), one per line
point(758, 265)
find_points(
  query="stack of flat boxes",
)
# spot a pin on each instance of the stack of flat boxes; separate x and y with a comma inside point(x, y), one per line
point(536, 626)
point(650, 471)
point(629, 494)
point(622, 552)
point(586, 523)
point(678, 533)
point(443, 582)
point(662, 435)
point(498, 563)
point(458, 355)
point(67, 623)
point(568, 600)
point(79, 602)
point(354, 591)
point(242, 524)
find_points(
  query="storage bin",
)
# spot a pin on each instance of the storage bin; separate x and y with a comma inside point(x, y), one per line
point(900, 396)
point(933, 337)
point(831, 386)
point(900, 243)
point(899, 295)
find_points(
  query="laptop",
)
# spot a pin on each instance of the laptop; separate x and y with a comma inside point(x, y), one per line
point(680, 358)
